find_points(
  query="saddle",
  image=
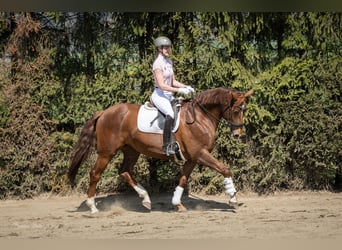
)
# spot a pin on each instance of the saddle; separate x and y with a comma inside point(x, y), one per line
point(151, 120)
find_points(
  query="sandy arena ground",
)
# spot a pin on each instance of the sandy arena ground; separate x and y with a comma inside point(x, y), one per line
point(290, 215)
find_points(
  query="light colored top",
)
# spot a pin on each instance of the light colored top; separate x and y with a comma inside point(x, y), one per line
point(166, 66)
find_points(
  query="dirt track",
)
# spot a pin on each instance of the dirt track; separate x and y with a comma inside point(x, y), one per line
point(299, 215)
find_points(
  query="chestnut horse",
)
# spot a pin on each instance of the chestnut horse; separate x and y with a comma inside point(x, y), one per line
point(115, 129)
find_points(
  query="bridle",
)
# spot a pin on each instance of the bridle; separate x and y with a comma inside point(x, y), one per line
point(232, 125)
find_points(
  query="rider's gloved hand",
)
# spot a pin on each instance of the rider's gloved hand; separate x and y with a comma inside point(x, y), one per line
point(184, 91)
point(192, 90)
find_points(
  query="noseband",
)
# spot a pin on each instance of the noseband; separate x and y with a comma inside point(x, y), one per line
point(233, 125)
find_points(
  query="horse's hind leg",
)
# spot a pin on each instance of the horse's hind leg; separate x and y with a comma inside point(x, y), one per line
point(130, 158)
point(95, 175)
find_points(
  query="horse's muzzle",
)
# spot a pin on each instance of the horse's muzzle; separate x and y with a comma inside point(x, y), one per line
point(236, 136)
point(237, 133)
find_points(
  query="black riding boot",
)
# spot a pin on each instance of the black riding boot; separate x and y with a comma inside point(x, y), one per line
point(167, 144)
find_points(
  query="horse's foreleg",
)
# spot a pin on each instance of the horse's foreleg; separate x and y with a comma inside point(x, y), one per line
point(177, 194)
point(230, 190)
point(95, 175)
point(130, 158)
point(209, 160)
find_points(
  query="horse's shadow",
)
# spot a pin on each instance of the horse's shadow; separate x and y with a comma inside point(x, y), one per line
point(161, 203)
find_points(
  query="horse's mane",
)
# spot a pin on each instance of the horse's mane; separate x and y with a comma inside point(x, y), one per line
point(214, 96)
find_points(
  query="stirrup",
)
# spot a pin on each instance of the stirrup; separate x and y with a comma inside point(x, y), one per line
point(179, 157)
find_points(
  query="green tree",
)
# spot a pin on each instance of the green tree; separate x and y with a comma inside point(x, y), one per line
point(67, 65)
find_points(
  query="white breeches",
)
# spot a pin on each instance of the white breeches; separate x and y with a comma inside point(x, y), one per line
point(163, 102)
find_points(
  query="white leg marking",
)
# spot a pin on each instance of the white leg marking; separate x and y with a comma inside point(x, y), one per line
point(177, 195)
point(143, 194)
point(91, 204)
point(231, 191)
point(229, 186)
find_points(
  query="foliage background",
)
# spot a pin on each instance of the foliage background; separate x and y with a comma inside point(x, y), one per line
point(57, 69)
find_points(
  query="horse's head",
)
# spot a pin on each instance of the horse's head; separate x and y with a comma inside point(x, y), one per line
point(236, 111)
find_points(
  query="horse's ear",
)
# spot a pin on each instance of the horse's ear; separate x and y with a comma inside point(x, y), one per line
point(249, 93)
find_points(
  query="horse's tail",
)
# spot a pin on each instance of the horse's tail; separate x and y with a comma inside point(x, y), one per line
point(83, 146)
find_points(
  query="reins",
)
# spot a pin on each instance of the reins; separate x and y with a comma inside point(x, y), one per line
point(193, 109)
point(207, 112)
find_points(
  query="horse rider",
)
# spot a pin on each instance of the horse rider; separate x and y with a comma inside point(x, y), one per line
point(165, 85)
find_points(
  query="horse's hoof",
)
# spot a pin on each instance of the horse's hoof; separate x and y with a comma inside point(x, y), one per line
point(234, 205)
point(181, 208)
point(94, 210)
point(233, 202)
point(92, 206)
point(147, 205)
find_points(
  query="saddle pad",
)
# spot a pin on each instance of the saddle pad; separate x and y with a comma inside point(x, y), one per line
point(148, 123)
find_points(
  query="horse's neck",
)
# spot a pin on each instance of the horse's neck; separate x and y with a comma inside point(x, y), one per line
point(211, 113)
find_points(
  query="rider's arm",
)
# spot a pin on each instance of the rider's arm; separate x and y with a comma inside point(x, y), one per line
point(177, 84)
point(160, 82)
